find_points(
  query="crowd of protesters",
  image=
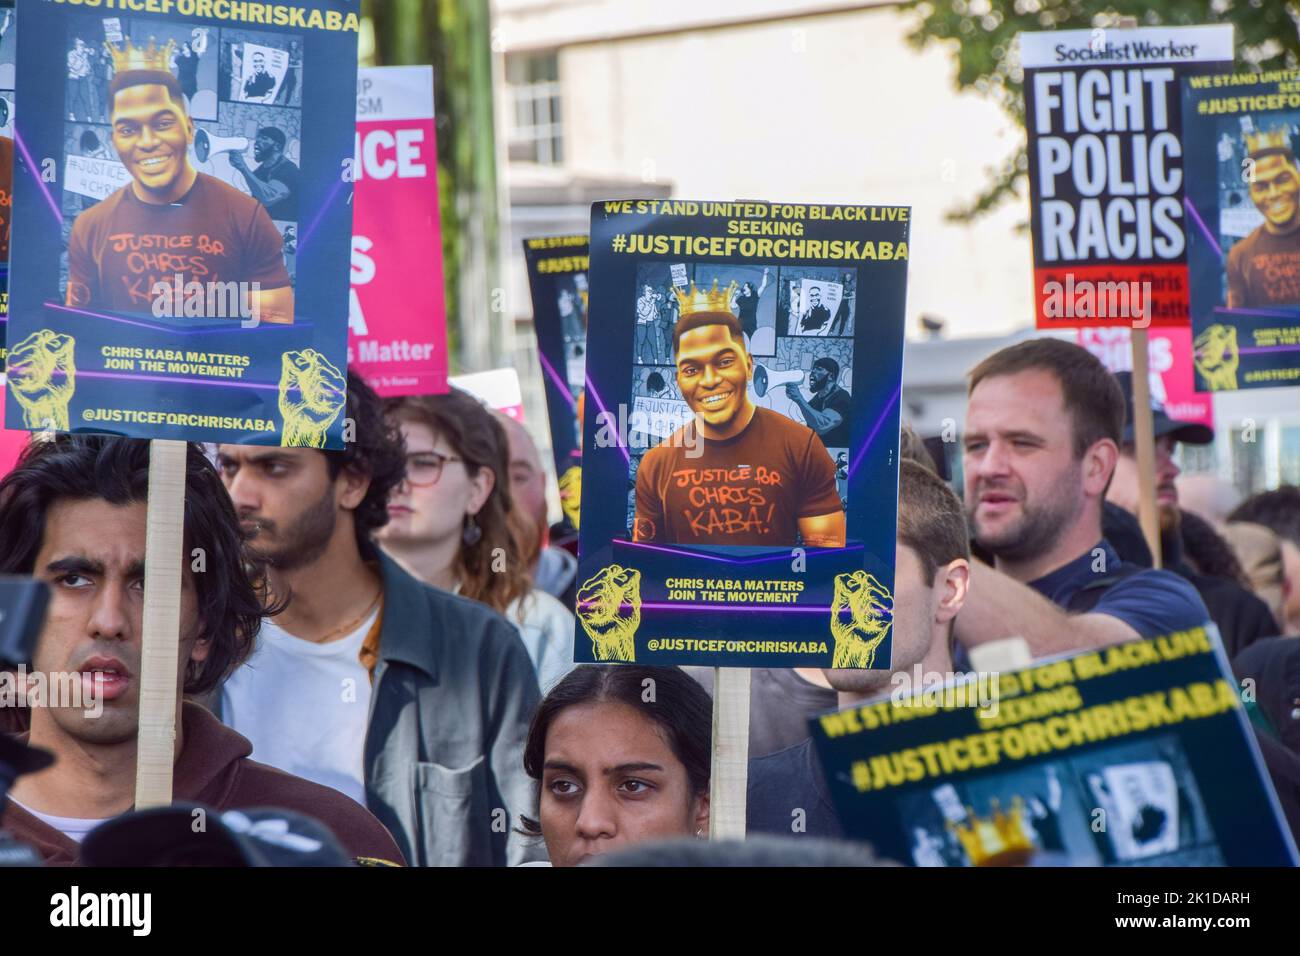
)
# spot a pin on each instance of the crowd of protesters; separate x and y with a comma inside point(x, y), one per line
point(381, 637)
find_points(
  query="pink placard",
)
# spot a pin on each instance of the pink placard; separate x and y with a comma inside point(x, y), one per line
point(397, 327)
point(496, 388)
point(11, 442)
point(1169, 357)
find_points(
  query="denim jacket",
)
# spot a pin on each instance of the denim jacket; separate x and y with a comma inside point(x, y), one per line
point(453, 695)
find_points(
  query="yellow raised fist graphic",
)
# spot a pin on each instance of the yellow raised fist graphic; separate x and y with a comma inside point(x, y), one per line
point(42, 374)
point(1217, 358)
point(609, 607)
point(862, 613)
point(312, 394)
point(571, 493)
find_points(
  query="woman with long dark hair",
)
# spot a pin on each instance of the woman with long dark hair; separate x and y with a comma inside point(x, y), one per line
point(621, 755)
point(451, 522)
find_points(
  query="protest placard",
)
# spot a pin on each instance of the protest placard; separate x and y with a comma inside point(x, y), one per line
point(557, 281)
point(397, 318)
point(760, 532)
point(1169, 365)
point(8, 48)
point(12, 443)
point(1106, 170)
point(1243, 203)
point(11, 440)
point(1135, 754)
point(169, 306)
point(497, 388)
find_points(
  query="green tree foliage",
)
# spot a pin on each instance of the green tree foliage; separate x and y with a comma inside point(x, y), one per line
point(981, 34)
point(454, 35)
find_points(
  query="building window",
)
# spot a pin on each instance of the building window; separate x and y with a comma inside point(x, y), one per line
point(536, 130)
point(1248, 459)
point(1288, 459)
point(1198, 459)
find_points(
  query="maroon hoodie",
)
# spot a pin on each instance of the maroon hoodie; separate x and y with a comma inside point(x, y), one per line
point(214, 770)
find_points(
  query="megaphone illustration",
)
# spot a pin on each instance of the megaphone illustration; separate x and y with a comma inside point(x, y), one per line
point(765, 380)
point(205, 144)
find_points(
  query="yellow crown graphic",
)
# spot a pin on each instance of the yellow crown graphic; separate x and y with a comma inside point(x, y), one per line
point(1268, 140)
point(997, 840)
point(701, 300)
point(132, 57)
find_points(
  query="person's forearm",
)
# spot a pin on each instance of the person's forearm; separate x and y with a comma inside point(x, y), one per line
point(998, 607)
point(274, 306)
point(259, 190)
point(818, 421)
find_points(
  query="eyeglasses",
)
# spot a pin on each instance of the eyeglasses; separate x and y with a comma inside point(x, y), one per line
point(425, 468)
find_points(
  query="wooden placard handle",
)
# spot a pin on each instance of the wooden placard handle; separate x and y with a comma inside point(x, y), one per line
point(160, 650)
point(730, 766)
point(1144, 444)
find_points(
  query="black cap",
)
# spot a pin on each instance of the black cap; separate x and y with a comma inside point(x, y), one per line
point(186, 834)
point(17, 758)
point(1190, 433)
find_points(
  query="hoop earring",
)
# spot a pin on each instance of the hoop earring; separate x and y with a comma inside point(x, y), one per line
point(472, 534)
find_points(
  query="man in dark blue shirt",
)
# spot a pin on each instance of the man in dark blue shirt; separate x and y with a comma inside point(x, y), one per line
point(1044, 421)
point(787, 792)
point(1242, 618)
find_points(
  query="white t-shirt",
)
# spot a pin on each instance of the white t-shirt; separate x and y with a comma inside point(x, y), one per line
point(74, 828)
point(305, 706)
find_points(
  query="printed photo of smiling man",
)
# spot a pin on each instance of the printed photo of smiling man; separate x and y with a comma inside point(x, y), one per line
point(1264, 267)
point(750, 475)
point(170, 219)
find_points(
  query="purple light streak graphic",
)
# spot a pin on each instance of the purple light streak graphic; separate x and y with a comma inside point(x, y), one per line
point(1209, 236)
point(1253, 350)
point(560, 383)
point(591, 390)
point(176, 380)
point(779, 556)
point(170, 330)
point(1261, 313)
point(884, 413)
point(822, 609)
point(329, 201)
point(31, 168)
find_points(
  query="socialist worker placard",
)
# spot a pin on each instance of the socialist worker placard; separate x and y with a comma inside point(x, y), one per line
point(1243, 204)
point(557, 279)
point(1106, 166)
point(182, 192)
point(1138, 754)
point(740, 433)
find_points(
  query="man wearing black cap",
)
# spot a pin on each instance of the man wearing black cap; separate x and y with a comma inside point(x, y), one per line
point(1241, 617)
point(274, 183)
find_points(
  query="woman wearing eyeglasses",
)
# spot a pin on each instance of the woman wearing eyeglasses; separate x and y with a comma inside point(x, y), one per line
point(450, 522)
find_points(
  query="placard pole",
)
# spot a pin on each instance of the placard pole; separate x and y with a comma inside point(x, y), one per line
point(1143, 429)
point(730, 767)
point(160, 651)
point(1145, 444)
